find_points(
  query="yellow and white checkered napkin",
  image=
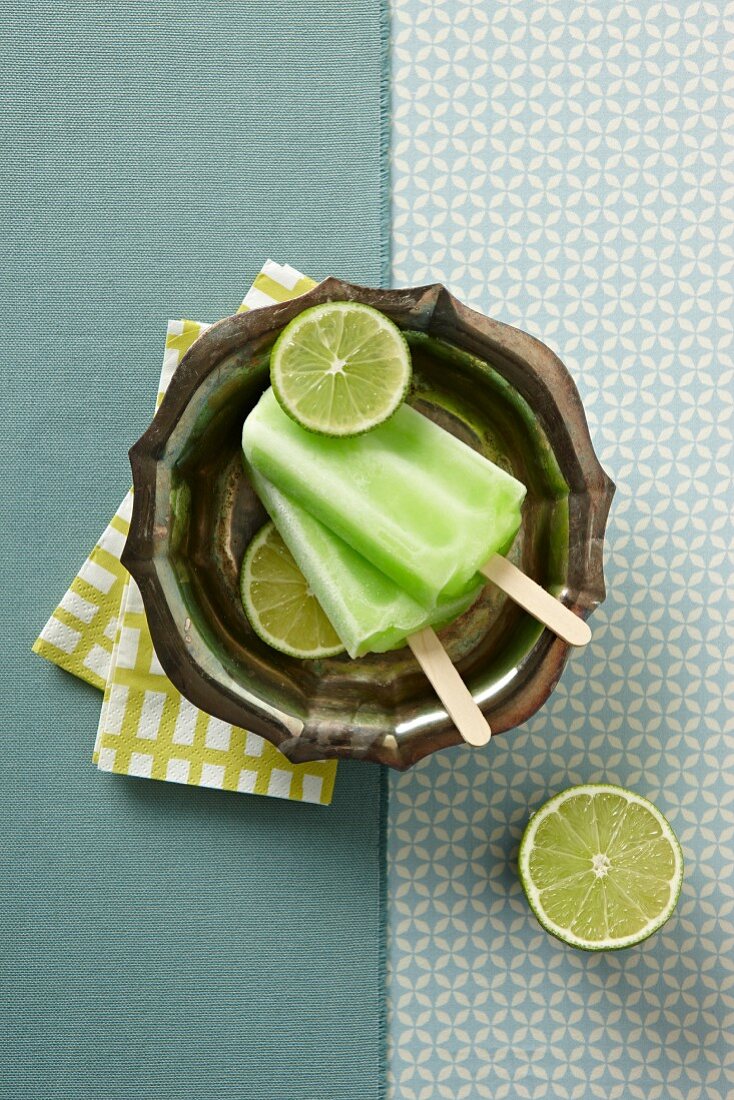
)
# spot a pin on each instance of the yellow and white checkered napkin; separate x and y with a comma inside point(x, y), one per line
point(99, 633)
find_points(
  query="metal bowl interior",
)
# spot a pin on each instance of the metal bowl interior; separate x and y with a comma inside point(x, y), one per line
point(195, 512)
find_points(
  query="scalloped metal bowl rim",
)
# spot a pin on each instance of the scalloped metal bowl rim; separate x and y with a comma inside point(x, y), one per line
point(590, 481)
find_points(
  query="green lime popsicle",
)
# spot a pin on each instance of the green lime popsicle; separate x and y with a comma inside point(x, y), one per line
point(367, 610)
point(410, 498)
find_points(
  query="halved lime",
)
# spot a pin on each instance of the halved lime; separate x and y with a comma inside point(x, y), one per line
point(601, 867)
point(278, 602)
point(340, 368)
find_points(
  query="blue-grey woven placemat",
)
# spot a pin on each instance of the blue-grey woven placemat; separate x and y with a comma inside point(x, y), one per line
point(160, 941)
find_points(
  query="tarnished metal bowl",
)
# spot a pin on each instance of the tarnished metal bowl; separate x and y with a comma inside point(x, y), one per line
point(500, 390)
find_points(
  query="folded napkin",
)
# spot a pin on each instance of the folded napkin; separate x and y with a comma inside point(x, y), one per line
point(100, 634)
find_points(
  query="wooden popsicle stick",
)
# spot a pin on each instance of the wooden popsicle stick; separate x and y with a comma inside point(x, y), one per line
point(544, 607)
point(449, 687)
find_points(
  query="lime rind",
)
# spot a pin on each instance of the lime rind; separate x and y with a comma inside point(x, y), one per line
point(658, 893)
point(340, 369)
point(285, 594)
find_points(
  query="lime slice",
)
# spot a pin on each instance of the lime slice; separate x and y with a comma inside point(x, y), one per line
point(278, 602)
point(601, 867)
point(340, 368)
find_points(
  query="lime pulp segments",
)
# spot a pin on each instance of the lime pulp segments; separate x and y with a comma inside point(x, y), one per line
point(340, 368)
point(279, 603)
point(601, 867)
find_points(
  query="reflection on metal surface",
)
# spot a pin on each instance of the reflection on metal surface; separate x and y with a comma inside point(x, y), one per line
point(420, 722)
point(496, 687)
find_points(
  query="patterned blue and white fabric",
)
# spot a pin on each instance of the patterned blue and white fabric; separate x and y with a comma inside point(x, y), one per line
point(567, 167)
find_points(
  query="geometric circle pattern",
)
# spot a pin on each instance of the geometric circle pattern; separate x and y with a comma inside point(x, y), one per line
point(568, 168)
